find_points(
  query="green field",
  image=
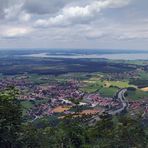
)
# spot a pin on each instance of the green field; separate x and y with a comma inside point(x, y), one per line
point(119, 84)
point(98, 83)
point(137, 95)
point(91, 88)
point(143, 75)
point(108, 92)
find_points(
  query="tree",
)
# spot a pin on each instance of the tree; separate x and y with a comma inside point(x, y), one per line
point(10, 119)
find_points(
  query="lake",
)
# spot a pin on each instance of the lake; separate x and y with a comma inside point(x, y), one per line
point(123, 56)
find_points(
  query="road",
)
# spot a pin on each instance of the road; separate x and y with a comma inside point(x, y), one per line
point(122, 99)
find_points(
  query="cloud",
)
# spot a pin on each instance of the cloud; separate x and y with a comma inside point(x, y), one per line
point(40, 7)
point(43, 7)
point(127, 32)
point(23, 16)
point(12, 12)
point(10, 32)
point(15, 12)
point(83, 22)
point(76, 13)
point(3, 4)
point(134, 35)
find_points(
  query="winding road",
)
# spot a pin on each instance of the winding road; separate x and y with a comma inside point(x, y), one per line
point(125, 104)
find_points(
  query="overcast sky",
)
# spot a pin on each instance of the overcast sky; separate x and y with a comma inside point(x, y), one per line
point(109, 24)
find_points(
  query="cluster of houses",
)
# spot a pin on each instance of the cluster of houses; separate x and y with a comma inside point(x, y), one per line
point(134, 105)
point(56, 95)
point(55, 91)
point(38, 111)
point(12, 81)
point(96, 100)
point(63, 104)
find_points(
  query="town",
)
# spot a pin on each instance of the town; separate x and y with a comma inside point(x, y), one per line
point(63, 98)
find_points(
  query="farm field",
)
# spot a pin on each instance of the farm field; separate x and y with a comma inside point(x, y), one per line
point(98, 83)
point(145, 89)
point(137, 95)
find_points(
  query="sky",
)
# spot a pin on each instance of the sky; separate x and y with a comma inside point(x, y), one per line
point(82, 24)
